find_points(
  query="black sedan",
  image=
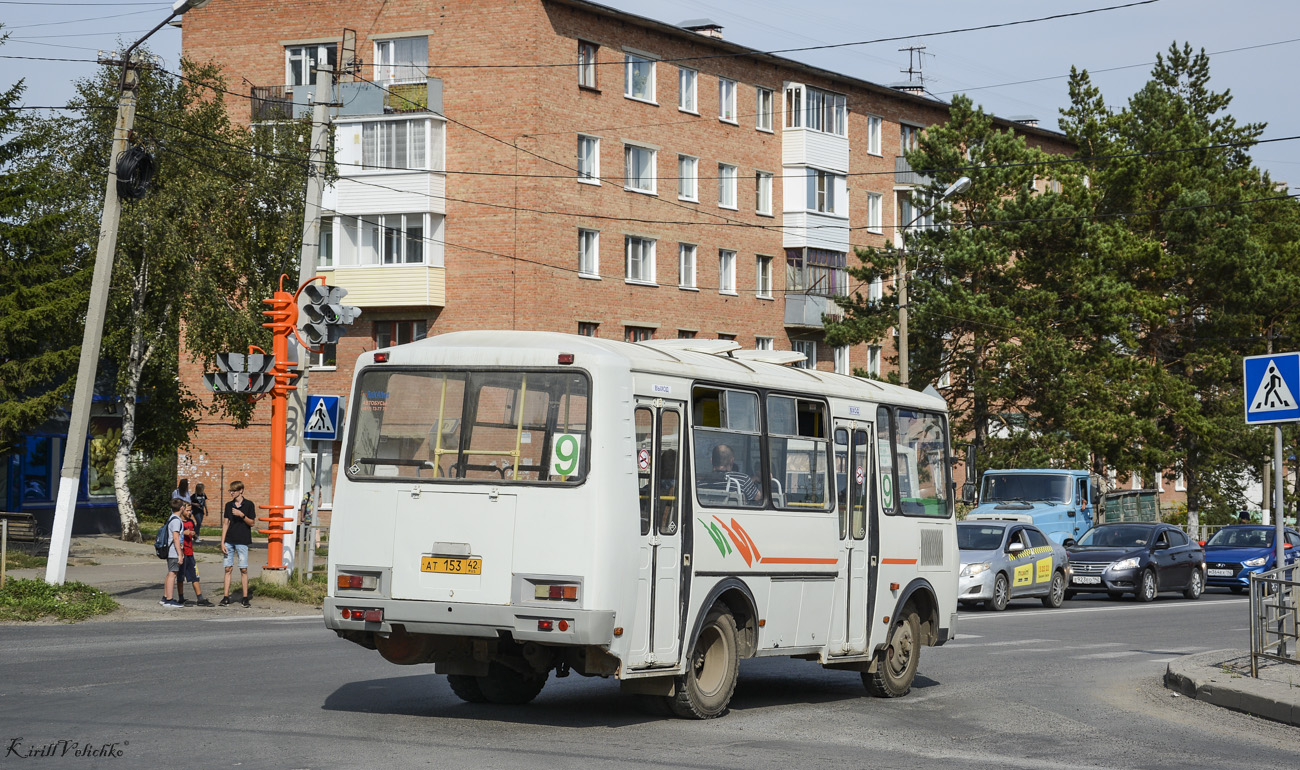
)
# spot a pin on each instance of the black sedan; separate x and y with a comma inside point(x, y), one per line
point(1142, 559)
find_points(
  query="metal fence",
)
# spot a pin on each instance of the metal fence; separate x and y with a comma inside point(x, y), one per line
point(1273, 616)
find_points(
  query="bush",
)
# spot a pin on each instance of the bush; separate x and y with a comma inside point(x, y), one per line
point(151, 484)
point(34, 599)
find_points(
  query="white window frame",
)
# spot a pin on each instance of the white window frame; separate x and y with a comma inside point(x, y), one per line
point(821, 195)
point(727, 101)
point(727, 272)
point(688, 184)
point(360, 240)
point(688, 90)
point(388, 70)
point(320, 362)
point(305, 57)
point(587, 64)
point(763, 276)
point(842, 359)
point(589, 174)
point(763, 343)
point(876, 290)
point(909, 137)
point(727, 186)
point(809, 349)
point(763, 193)
point(422, 153)
point(875, 212)
point(873, 360)
point(630, 62)
point(645, 253)
point(1180, 483)
point(325, 247)
point(764, 105)
point(588, 253)
point(875, 125)
point(628, 151)
point(686, 266)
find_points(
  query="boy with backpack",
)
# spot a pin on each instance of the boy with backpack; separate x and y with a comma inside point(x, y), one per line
point(174, 552)
point(189, 569)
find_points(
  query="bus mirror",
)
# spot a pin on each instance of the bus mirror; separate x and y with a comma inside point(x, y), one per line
point(968, 492)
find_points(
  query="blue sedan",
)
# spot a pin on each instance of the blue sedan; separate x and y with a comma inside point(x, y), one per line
point(1241, 549)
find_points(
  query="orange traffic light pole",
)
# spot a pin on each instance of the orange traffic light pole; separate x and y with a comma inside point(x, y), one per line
point(283, 324)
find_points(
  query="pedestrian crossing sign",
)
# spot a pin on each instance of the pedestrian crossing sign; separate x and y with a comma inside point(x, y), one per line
point(1272, 384)
point(323, 422)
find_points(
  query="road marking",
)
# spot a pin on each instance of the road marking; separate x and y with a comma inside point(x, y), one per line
point(1005, 644)
point(281, 618)
point(1129, 608)
point(1105, 655)
point(1061, 648)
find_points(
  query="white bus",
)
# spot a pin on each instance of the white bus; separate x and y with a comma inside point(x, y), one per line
point(515, 503)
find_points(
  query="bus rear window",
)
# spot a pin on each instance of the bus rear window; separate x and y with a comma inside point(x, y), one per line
point(499, 426)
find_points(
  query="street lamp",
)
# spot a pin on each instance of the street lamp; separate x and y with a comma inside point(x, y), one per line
point(956, 187)
point(79, 420)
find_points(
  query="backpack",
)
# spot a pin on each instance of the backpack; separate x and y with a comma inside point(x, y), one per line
point(162, 543)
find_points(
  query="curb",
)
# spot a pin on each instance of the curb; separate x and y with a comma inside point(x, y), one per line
point(1222, 677)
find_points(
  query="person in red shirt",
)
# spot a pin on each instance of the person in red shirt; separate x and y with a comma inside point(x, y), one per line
point(189, 569)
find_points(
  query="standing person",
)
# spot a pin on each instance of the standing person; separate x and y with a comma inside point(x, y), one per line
point(189, 568)
point(199, 504)
point(174, 555)
point(236, 536)
point(182, 491)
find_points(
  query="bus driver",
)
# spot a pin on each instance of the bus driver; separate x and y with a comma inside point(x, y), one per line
point(724, 462)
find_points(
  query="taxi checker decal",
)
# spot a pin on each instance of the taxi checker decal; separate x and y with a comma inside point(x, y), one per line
point(745, 545)
point(1024, 574)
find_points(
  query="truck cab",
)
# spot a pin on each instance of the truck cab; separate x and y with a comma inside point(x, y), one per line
point(1059, 502)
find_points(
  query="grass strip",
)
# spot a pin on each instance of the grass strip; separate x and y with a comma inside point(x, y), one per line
point(311, 591)
point(35, 599)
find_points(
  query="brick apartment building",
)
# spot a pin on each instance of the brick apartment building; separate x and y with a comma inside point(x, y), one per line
point(560, 165)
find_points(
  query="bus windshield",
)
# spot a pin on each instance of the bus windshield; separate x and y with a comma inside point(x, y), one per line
point(1025, 488)
point(472, 426)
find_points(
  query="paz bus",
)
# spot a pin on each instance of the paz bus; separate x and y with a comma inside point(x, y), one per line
point(516, 503)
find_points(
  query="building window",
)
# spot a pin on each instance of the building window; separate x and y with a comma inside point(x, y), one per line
point(726, 271)
point(763, 267)
point(822, 189)
point(727, 100)
point(763, 343)
point(688, 178)
point(764, 105)
point(638, 333)
point(726, 336)
point(390, 333)
point(911, 216)
point(842, 359)
point(382, 239)
point(807, 107)
point(301, 62)
point(586, 64)
point(809, 350)
point(588, 253)
point(686, 90)
point(686, 334)
point(588, 159)
point(875, 212)
point(816, 271)
point(763, 192)
point(403, 59)
point(639, 77)
point(327, 358)
point(640, 259)
point(876, 290)
point(397, 145)
point(686, 265)
point(1180, 483)
point(873, 134)
point(640, 164)
point(726, 186)
point(325, 249)
point(588, 328)
point(873, 360)
point(909, 136)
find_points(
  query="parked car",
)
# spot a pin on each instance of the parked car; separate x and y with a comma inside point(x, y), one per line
point(1236, 551)
point(1005, 560)
point(1142, 559)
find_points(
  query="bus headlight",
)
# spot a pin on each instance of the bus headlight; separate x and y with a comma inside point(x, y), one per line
point(972, 570)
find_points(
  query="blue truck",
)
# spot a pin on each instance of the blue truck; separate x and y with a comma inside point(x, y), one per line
point(1059, 502)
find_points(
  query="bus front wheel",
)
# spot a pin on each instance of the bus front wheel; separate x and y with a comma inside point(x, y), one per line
point(896, 663)
point(704, 691)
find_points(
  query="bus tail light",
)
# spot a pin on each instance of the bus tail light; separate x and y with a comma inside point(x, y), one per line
point(555, 592)
point(356, 613)
point(551, 625)
point(357, 582)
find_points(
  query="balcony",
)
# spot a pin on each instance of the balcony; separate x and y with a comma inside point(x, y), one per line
point(903, 173)
point(272, 103)
point(807, 147)
point(371, 286)
point(805, 311)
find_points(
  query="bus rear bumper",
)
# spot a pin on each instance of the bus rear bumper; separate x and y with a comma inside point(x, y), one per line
point(559, 625)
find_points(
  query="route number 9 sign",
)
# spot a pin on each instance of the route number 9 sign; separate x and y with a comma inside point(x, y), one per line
point(566, 449)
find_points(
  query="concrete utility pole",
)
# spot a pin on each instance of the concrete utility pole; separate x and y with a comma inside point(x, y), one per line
point(74, 448)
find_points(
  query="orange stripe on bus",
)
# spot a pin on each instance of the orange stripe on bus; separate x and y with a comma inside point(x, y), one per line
point(898, 561)
point(796, 560)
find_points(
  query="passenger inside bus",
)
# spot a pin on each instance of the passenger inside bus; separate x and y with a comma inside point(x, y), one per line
point(724, 463)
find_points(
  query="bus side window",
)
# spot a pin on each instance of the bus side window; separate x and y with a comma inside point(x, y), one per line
point(884, 441)
point(644, 459)
point(842, 475)
point(670, 427)
point(861, 491)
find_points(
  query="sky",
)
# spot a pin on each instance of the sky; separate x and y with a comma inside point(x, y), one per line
point(1254, 45)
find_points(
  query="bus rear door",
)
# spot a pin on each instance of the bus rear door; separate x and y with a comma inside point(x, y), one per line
point(657, 634)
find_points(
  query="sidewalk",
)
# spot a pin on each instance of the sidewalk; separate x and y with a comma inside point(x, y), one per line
point(133, 575)
point(1222, 677)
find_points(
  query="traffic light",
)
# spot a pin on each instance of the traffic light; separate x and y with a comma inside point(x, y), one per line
point(242, 374)
point(325, 314)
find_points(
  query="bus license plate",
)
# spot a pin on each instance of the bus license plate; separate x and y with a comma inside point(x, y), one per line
point(1087, 580)
point(451, 565)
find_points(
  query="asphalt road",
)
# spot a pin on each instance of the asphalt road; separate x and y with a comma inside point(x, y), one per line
point(1029, 687)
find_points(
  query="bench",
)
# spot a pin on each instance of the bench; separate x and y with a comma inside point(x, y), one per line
point(24, 534)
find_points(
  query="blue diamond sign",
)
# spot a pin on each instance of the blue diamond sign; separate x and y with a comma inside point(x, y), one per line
point(1272, 384)
point(323, 422)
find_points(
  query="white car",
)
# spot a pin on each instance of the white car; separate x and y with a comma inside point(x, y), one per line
point(1005, 560)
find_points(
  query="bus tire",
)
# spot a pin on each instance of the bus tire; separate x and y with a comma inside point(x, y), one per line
point(896, 664)
point(508, 687)
point(466, 688)
point(712, 668)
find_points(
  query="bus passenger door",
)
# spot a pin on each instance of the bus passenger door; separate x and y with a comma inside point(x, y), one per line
point(657, 637)
point(853, 474)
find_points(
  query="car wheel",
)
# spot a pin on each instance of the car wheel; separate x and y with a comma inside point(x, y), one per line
point(704, 691)
point(1001, 594)
point(1195, 585)
point(896, 664)
point(1237, 589)
point(1147, 587)
point(1056, 594)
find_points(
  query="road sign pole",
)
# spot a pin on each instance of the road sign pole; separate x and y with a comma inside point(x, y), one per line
point(283, 315)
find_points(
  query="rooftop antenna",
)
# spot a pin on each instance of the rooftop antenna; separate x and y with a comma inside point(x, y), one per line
point(915, 59)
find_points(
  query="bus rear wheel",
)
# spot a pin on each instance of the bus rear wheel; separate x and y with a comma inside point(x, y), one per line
point(466, 688)
point(896, 664)
point(507, 686)
point(704, 691)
